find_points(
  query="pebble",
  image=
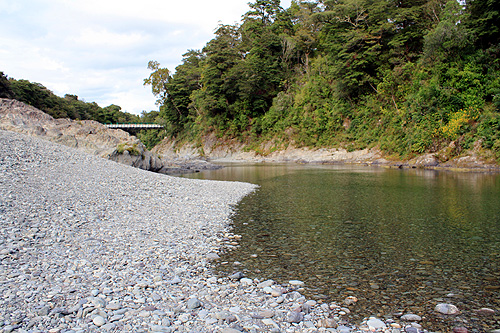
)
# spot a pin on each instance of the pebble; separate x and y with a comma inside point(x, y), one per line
point(294, 317)
point(459, 329)
point(230, 330)
point(193, 303)
point(296, 283)
point(88, 242)
point(375, 323)
point(265, 284)
point(246, 282)
point(447, 309)
point(486, 311)
point(411, 317)
point(99, 321)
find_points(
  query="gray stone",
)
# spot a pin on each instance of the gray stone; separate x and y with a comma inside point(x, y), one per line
point(343, 329)
point(269, 322)
point(266, 313)
point(213, 256)
point(246, 282)
point(237, 276)
point(115, 305)
point(193, 303)
point(411, 317)
point(44, 311)
point(175, 280)
point(159, 328)
point(184, 317)
point(294, 317)
point(108, 326)
point(230, 330)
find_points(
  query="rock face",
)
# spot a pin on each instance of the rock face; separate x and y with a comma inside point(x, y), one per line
point(89, 136)
point(233, 150)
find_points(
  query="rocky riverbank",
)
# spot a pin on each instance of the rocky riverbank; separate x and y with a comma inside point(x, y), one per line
point(91, 137)
point(88, 245)
point(268, 152)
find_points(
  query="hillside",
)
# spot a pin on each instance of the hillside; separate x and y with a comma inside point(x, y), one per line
point(407, 78)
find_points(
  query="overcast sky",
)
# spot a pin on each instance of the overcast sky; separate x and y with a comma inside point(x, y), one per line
point(99, 49)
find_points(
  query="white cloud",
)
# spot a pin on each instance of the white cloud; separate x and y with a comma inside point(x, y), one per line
point(99, 49)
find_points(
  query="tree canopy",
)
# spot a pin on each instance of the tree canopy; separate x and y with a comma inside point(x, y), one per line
point(408, 76)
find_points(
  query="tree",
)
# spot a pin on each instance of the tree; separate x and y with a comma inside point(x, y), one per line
point(449, 37)
point(5, 88)
point(355, 36)
point(264, 10)
point(218, 87)
point(483, 22)
point(183, 83)
point(306, 29)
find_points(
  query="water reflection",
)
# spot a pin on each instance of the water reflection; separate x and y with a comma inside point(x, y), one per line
point(399, 240)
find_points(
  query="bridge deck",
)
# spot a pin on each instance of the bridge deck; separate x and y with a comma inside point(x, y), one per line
point(114, 126)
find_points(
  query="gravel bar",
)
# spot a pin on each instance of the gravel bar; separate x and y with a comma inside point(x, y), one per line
point(90, 245)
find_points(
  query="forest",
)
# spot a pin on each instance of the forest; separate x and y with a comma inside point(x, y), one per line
point(406, 76)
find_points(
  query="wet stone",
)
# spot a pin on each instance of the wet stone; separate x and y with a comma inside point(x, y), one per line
point(447, 309)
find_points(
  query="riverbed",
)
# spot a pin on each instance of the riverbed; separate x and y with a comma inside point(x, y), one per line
point(398, 240)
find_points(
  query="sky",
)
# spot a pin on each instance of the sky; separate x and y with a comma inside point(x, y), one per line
point(99, 49)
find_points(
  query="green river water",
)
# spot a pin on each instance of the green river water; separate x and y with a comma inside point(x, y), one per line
point(401, 241)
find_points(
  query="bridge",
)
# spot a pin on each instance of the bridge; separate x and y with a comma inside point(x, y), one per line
point(133, 126)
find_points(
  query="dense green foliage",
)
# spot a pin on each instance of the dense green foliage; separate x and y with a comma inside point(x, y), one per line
point(36, 95)
point(408, 76)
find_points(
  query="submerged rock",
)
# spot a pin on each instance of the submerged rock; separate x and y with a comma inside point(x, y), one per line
point(447, 309)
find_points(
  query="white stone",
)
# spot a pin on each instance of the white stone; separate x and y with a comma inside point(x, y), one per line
point(296, 283)
point(99, 321)
point(246, 281)
point(375, 323)
point(447, 309)
point(267, 283)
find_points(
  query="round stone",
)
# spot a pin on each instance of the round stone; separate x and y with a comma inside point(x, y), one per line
point(99, 321)
point(375, 323)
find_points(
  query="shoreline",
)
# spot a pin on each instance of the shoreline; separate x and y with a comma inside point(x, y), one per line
point(90, 245)
point(236, 152)
point(404, 166)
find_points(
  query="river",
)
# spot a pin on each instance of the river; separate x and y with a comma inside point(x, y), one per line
point(398, 240)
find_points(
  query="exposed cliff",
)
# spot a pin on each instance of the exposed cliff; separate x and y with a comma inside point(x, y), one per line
point(269, 151)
